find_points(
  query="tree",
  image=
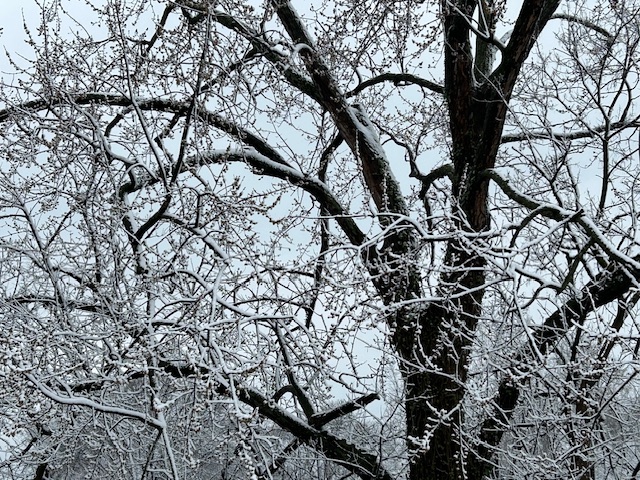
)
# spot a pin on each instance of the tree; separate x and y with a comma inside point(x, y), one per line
point(371, 239)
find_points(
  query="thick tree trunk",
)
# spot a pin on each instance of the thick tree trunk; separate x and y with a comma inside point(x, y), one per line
point(436, 350)
point(433, 342)
point(435, 356)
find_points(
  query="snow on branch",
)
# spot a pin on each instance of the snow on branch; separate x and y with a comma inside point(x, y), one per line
point(584, 22)
point(366, 465)
point(557, 213)
point(398, 79)
point(92, 404)
point(267, 166)
point(351, 121)
point(258, 153)
point(258, 41)
point(323, 418)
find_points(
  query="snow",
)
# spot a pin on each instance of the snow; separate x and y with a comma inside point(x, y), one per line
point(564, 215)
point(99, 407)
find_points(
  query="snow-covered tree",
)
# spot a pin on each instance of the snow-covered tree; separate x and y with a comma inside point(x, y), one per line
point(321, 239)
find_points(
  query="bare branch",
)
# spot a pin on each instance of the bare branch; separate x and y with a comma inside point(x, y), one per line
point(611, 129)
point(319, 190)
point(559, 214)
point(398, 79)
point(584, 22)
point(258, 41)
point(350, 121)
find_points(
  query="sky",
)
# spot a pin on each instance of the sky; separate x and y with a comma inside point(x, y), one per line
point(13, 18)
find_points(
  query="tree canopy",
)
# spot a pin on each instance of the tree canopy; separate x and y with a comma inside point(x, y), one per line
point(321, 239)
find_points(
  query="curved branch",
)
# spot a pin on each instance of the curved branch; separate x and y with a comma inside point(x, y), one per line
point(258, 154)
point(398, 79)
point(446, 170)
point(261, 45)
point(437, 173)
point(582, 21)
point(317, 189)
point(98, 407)
point(610, 285)
point(560, 214)
point(359, 462)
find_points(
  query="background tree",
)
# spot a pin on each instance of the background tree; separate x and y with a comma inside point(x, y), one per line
point(229, 227)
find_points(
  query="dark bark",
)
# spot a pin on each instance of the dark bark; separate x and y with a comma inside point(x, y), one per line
point(477, 113)
point(433, 342)
point(42, 472)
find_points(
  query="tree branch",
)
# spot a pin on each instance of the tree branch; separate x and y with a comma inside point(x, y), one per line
point(349, 456)
point(350, 120)
point(258, 154)
point(560, 214)
point(319, 190)
point(582, 21)
point(458, 72)
point(398, 79)
point(532, 18)
point(259, 42)
point(320, 419)
point(366, 465)
point(67, 399)
point(613, 129)
point(610, 285)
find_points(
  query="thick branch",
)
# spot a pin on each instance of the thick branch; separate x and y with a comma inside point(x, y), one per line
point(458, 72)
point(350, 120)
point(533, 17)
point(323, 418)
point(348, 455)
point(584, 22)
point(259, 42)
point(259, 154)
point(319, 190)
point(560, 214)
point(610, 285)
point(367, 466)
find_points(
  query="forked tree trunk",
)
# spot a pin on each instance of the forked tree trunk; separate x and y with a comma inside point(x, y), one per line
point(433, 341)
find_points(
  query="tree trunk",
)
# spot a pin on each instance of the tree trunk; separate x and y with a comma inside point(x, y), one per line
point(436, 357)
